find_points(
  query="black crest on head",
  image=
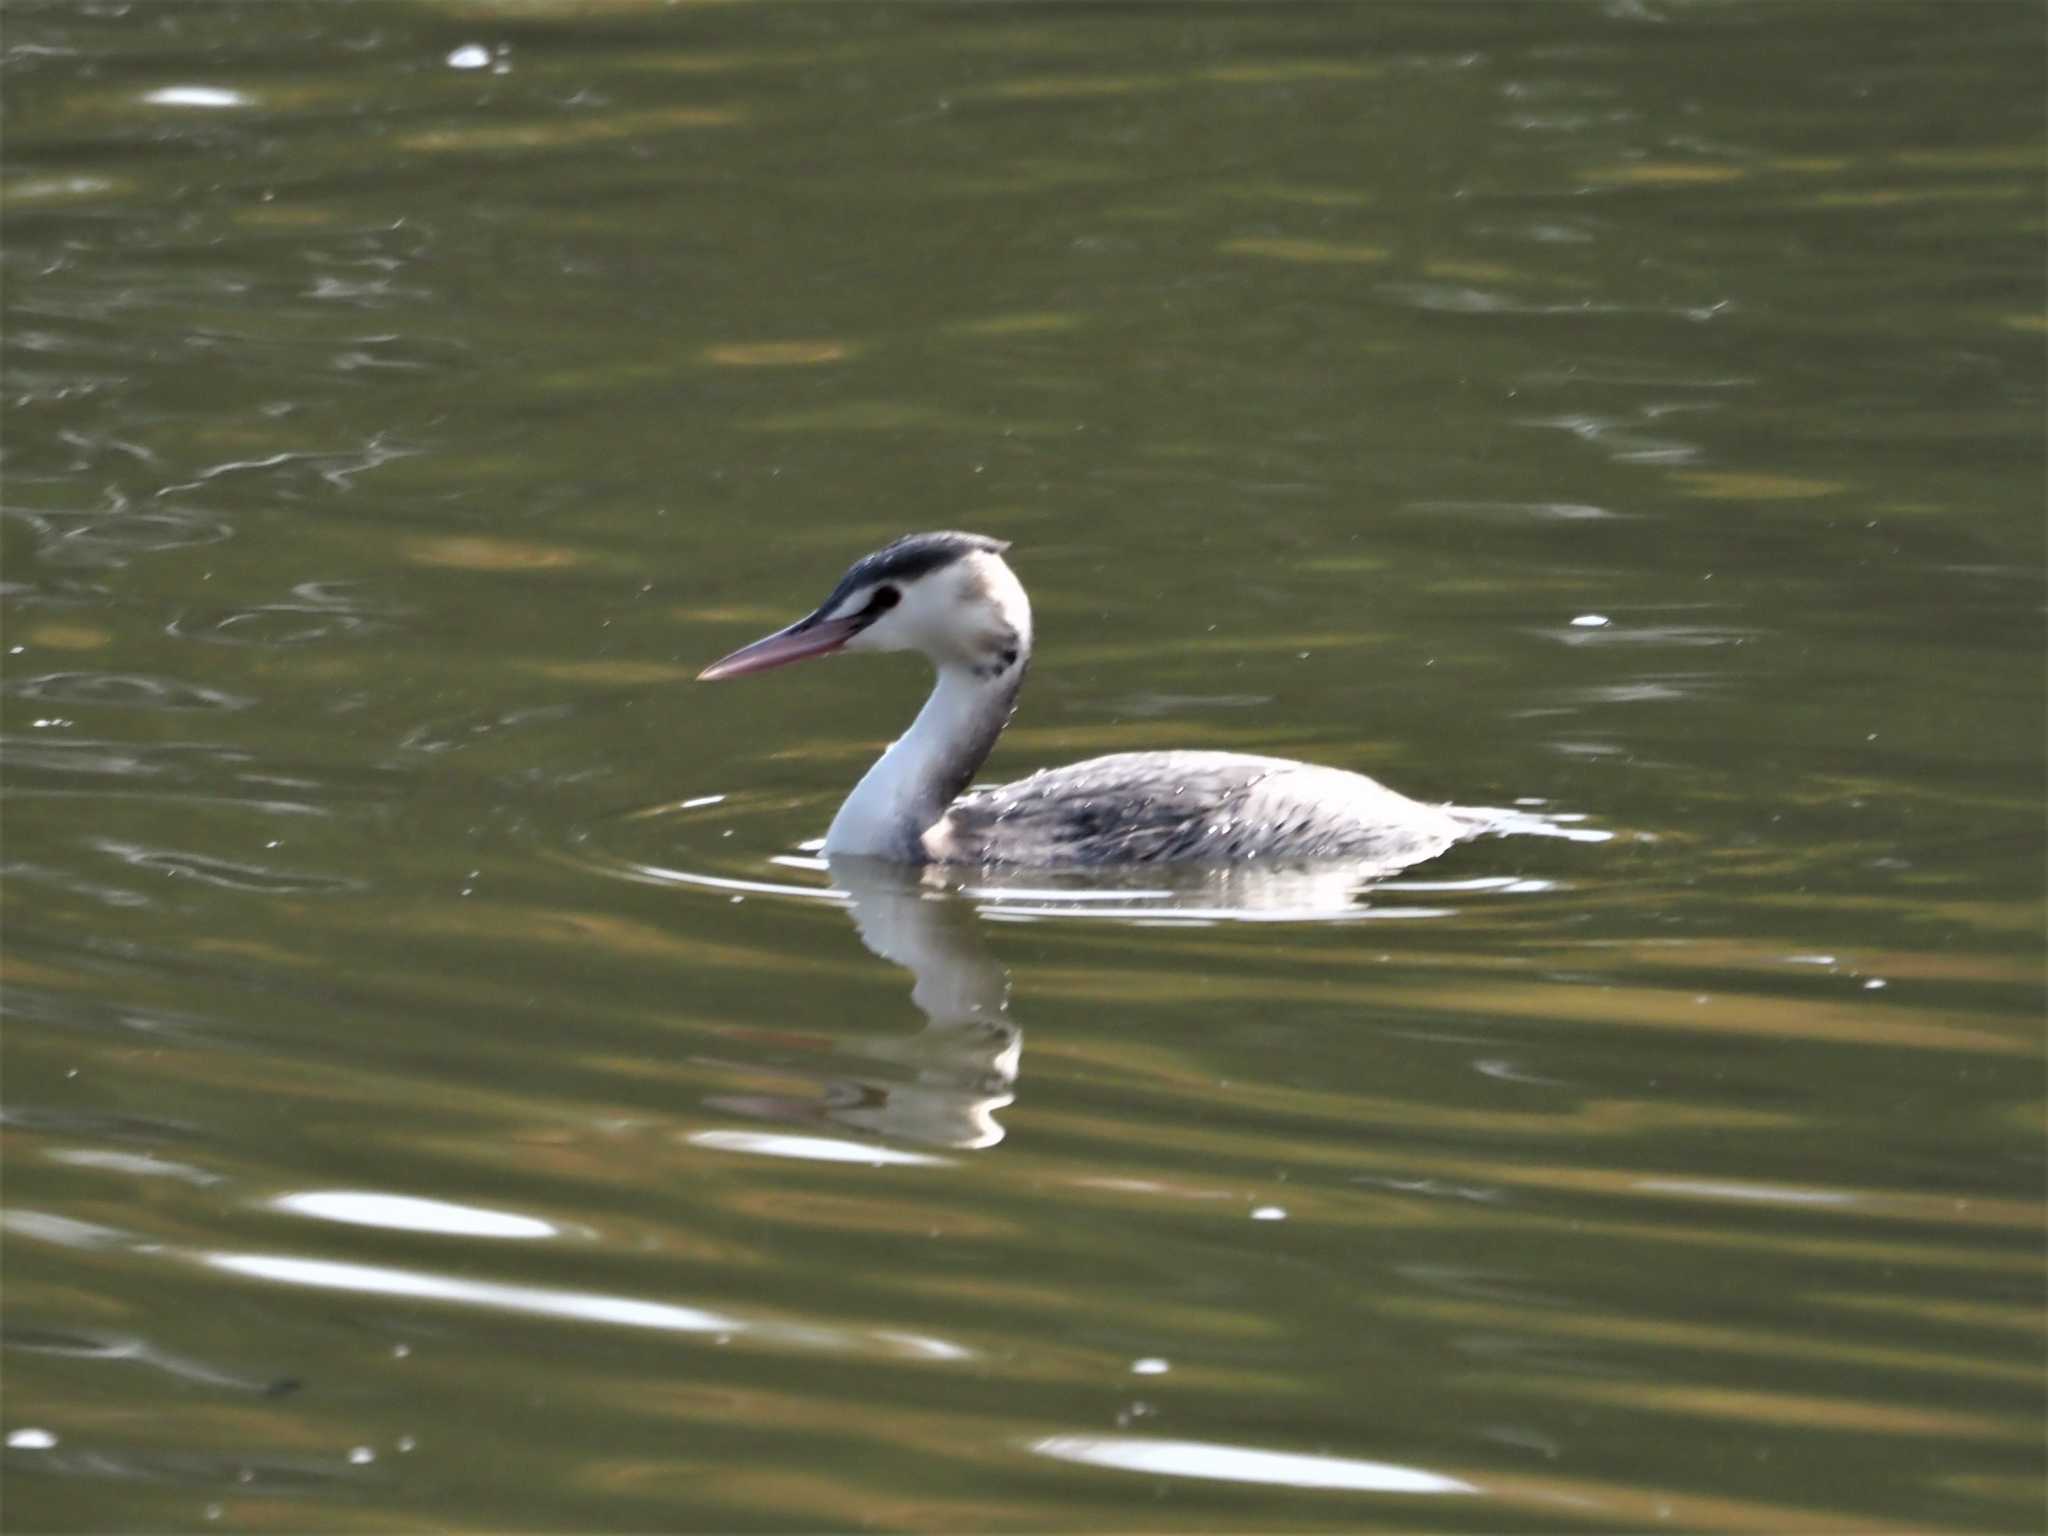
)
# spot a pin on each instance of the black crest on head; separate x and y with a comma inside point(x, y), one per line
point(912, 556)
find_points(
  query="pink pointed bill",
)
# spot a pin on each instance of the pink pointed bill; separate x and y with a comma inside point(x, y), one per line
point(801, 641)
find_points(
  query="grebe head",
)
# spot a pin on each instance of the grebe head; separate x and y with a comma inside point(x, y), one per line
point(948, 595)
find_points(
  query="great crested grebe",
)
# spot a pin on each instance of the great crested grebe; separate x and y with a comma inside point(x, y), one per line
point(951, 596)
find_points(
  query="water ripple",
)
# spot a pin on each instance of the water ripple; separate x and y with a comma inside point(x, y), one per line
point(109, 538)
point(128, 1349)
point(127, 689)
point(226, 873)
point(1193, 895)
point(44, 766)
point(272, 624)
point(338, 468)
point(578, 1306)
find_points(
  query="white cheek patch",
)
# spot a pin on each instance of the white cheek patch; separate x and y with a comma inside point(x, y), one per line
point(851, 604)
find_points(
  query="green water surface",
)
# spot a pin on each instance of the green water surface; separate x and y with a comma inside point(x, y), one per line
point(442, 1092)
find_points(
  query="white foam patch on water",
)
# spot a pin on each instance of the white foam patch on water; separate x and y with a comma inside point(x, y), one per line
point(1196, 917)
point(1508, 883)
point(655, 874)
point(38, 188)
point(64, 1231)
point(1762, 1194)
point(817, 1149)
point(197, 96)
point(135, 1164)
point(1503, 822)
point(406, 1213)
point(1241, 1464)
point(1013, 893)
point(374, 1280)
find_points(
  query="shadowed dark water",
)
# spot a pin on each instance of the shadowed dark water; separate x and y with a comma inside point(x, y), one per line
point(442, 1087)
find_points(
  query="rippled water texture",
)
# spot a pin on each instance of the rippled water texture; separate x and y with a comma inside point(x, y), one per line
point(444, 1086)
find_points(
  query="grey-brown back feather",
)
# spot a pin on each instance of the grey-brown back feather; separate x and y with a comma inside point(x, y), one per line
point(1172, 807)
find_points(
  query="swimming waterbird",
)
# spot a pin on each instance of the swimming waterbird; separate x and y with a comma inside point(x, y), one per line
point(952, 597)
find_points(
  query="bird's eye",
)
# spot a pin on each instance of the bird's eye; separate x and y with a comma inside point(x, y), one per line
point(884, 599)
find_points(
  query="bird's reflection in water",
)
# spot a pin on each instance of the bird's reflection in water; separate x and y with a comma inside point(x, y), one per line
point(942, 1086)
point(963, 1063)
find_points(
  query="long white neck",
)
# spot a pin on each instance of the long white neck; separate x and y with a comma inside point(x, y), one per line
point(912, 783)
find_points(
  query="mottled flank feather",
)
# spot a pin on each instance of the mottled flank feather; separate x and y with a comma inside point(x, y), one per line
point(1185, 807)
